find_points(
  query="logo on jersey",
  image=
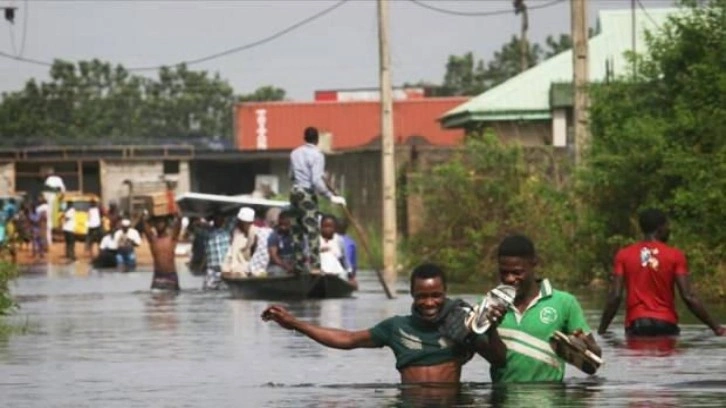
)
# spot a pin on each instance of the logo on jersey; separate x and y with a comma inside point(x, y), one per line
point(648, 257)
point(548, 315)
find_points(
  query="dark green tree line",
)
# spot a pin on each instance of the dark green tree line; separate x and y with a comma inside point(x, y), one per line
point(94, 101)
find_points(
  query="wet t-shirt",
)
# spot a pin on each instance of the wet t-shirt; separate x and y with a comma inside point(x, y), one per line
point(284, 244)
point(416, 344)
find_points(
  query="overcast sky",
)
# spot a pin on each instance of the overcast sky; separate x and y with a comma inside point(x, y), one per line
point(338, 50)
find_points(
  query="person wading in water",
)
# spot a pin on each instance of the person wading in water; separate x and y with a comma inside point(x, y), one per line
point(162, 244)
point(428, 349)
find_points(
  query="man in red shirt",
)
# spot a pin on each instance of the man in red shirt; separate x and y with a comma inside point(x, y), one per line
point(649, 270)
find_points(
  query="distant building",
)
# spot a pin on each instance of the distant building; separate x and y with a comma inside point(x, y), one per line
point(535, 107)
point(344, 124)
point(367, 94)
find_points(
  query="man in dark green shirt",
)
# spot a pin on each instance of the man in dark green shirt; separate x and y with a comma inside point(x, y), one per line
point(424, 353)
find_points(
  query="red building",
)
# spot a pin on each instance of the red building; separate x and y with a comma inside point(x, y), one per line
point(280, 125)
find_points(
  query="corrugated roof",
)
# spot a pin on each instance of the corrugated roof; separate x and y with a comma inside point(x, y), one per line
point(351, 124)
point(526, 96)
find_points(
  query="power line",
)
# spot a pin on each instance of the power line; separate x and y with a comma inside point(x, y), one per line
point(645, 11)
point(25, 27)
point(480, 13)
point(230, 51)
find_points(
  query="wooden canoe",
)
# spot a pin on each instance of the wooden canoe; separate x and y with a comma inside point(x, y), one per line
point(325, 286)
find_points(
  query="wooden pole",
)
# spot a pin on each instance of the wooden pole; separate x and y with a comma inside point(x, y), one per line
point(388, 159)
point(363, 238)
point(580, 76)
point(632, 35)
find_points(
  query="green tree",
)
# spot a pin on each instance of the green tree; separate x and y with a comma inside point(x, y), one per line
point(506, 62)
point(93, 101)
point(264, 94)
point(556, 45)
point(659, 139)
point(464, 76)
point(8, 272)
point(486, 191)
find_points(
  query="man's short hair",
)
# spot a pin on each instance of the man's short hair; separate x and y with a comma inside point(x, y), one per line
point(516, 245)
point(428, 271)
point(311, 135)
point(651, 219)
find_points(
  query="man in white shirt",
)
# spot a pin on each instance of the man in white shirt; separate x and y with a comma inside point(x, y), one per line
point(52, 188)
point(106, 252)
point(69, 231)
point(93, 227)
point(127, 239)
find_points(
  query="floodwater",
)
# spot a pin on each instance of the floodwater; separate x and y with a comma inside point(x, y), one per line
point(101, 339)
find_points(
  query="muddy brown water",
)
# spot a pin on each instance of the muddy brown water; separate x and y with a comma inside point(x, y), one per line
point(101, 339)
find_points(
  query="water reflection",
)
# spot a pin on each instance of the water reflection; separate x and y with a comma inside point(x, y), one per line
point(160, 312)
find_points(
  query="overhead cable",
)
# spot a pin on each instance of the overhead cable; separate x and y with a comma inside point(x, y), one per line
point(480, 13)
point(230, 51)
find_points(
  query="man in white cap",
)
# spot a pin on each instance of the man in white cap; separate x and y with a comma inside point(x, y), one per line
point(243, 244)
point(127, 239)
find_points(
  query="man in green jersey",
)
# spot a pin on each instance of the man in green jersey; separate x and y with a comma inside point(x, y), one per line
point(424, 352)
point(538, 311)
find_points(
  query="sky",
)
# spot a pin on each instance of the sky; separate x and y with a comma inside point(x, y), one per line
point(336, 51)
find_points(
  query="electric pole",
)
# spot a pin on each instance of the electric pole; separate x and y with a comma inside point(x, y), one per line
point(521, 8)
point(580, 76)
point(388, 158)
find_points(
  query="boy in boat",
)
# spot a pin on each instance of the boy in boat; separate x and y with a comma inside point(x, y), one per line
point(424, 349)
point(281, 248)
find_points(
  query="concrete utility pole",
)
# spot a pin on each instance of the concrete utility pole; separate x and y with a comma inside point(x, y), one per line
point(580, 76)
point(632, 34)
point(521, 8)
point(388, 158)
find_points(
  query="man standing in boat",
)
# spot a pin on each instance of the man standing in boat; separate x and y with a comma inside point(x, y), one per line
point(307, 167)
point(428, 347)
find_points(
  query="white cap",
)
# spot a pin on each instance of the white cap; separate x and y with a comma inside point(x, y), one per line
point(125, 223)
point(246, 214)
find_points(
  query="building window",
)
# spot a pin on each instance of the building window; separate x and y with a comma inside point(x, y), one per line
point(171, 166)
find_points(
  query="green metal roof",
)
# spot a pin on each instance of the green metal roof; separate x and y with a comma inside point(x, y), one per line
point(527, 95)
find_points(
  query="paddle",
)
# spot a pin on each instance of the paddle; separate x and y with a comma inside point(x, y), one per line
point(363, 240)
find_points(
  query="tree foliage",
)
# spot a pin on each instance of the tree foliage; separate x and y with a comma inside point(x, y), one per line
point(659, 139)
point(465, 75)
point(8, 272)
point(487, 191)
point(93, 101)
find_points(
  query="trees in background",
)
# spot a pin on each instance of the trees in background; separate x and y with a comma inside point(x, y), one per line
point(96, 102)
point(658, 139)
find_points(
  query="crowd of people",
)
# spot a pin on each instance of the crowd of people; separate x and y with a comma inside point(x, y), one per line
point(262, 245)
point(434, 341)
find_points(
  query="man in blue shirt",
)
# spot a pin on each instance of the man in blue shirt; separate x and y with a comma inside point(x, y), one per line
point(351, 252)
point(281, 248)
point(307, 165)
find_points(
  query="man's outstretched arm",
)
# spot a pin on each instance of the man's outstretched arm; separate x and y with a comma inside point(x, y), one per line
point(614, 297)
point(329, 337)
point(695, 306)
